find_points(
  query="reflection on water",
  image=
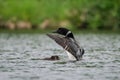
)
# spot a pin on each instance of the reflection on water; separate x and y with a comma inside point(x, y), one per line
point(20, 58)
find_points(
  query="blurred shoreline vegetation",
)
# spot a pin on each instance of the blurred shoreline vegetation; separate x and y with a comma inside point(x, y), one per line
point(50, 14)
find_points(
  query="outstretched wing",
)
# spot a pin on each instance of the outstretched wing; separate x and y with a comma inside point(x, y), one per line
point(67, 43)
point(58, 39)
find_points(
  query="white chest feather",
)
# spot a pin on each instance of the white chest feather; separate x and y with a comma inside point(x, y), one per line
point(71, 57)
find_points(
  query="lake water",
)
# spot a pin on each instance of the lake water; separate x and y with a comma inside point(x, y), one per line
point(20, 56)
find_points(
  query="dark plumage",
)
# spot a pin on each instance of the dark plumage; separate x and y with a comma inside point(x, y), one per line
point(65, 38)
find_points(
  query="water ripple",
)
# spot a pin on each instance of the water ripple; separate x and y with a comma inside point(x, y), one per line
point(21, 54)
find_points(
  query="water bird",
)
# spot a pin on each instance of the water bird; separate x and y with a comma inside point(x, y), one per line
point(65, 38)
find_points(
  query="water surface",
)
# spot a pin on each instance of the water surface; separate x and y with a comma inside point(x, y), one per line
point(20, 56)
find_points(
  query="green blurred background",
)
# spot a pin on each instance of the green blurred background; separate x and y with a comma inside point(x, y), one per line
point(50, 14)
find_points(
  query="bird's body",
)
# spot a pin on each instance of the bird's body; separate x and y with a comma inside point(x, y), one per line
point(70, 56)
point(65, 38)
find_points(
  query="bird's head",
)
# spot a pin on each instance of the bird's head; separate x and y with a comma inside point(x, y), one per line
point(65, 32)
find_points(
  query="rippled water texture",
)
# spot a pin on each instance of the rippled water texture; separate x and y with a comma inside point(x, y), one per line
point(20, 58)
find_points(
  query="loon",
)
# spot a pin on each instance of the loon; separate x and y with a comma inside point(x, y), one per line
point(65, 38)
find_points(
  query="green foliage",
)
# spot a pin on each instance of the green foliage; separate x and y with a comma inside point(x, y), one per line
point(92, 14)
point(105, 15)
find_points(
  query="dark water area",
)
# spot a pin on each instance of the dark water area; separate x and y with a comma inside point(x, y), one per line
point(20, 56)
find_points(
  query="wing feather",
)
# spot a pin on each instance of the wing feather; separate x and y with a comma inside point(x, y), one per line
point(67, 43)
